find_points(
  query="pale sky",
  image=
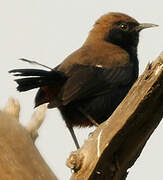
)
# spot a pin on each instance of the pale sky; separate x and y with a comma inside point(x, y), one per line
point(48, 31)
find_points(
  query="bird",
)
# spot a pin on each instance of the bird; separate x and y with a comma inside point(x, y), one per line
point(91, 82)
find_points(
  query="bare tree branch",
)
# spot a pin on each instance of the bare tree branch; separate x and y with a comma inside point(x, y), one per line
point(12, 108)
point(37, 119)
point(19, 160)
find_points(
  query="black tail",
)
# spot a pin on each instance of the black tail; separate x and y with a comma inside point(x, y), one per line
point(38, 78)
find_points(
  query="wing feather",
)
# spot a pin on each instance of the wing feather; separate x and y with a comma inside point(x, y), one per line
point(88, 81)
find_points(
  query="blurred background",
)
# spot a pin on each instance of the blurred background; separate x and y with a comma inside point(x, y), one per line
point(48, 31)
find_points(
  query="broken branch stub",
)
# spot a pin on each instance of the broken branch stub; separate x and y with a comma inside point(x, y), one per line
point(36, 120)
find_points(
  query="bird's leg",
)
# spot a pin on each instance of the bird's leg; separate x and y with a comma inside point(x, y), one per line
point(73, 136)
point(88, 116)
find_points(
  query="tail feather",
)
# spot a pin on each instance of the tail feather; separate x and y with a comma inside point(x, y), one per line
point(38, 78)
point(29, 72)
point(26, 84)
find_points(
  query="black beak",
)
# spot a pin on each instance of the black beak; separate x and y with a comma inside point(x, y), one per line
point(144, 26)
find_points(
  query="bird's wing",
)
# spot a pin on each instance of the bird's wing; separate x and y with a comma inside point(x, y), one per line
point(88, 81)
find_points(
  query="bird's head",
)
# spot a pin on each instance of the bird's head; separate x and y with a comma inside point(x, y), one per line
point(119, 29)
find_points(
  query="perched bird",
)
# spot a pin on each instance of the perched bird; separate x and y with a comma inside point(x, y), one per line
point(91, 82)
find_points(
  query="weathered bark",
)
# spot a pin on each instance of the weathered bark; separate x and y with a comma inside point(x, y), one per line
point(116, 144)
point(19, 158)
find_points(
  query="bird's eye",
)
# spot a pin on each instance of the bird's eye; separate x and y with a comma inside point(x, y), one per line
point(124, 26)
